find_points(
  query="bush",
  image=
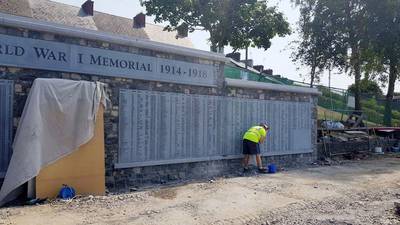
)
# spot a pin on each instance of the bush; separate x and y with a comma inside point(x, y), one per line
point(372, 104)
point(326, 103)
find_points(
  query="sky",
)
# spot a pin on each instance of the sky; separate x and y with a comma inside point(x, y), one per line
point(277, 57)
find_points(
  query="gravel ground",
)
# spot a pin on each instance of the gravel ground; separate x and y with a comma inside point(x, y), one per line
point(349, 192)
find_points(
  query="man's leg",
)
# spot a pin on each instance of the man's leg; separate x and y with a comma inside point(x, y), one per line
point(245, 161)
point(260, 166)
point(259, 161)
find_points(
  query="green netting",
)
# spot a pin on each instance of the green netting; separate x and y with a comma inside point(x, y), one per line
point(237, 73)
point(231, 72)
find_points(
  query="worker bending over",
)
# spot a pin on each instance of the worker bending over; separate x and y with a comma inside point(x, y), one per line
point(251, 145)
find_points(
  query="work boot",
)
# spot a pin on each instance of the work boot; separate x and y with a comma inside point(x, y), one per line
point(262, 170)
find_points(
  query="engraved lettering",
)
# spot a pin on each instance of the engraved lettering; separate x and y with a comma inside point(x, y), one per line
point(57, 56)
point(80, 55)
point(95, 60)
point(19, 51)
point(114, 63)
point(123, 64)
point(48, 54)
point(9, 50)
point(61, 56)
point(106, 62)
point(12, 50)
point(131, 65)
point(143, 67)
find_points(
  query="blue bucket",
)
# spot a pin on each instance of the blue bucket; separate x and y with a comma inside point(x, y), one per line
point(66, 192)
point(272, 168)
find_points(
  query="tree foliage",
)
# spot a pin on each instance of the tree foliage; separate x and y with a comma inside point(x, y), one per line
point(360, 35)
point(383, 18)
point(369, 88)
point(238, 23)
point(317, 48)
point(344, 30)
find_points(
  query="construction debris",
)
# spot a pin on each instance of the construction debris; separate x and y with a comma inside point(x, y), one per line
point(397, 208)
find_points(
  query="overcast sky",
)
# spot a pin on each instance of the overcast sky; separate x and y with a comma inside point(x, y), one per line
point(276, 58)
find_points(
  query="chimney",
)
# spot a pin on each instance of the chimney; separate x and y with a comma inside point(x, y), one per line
point(259, 68)
point(268, 71)
point(248, 62)
point(234, 55)
point(87, 7)
point(182, 30)
point(139, 21)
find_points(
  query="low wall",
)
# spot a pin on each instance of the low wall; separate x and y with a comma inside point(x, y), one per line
point(124, 179)
point(350, 147)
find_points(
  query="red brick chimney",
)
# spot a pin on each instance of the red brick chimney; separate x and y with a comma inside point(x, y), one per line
point(139, 21)
point(87, 7)
point(259, 68)
point(182, 30)
point(234, 55)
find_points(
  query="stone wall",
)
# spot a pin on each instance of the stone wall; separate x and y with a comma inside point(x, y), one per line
point(353, 147)
point(122, 179)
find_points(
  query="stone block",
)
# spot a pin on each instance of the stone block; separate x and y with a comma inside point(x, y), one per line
point(14, 70)
point(3, 30)
point(48, 37)
point(75, 76)
point(182, 175)
point(114, 113)
point(105, 45)
point(18, 88)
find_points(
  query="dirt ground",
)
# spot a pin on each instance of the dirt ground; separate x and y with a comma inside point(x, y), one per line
point(355, 192)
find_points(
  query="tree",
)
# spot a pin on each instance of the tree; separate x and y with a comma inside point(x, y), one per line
point(344, 25)
point(384, 35)
point(308, 51)
point(238, 23)
point(316, 49)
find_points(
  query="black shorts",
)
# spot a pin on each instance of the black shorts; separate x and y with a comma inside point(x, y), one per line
point(250, 148)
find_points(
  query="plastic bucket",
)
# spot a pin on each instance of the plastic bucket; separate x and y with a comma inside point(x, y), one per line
point(272, 168)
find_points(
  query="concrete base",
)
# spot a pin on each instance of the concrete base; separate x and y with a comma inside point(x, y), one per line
point(124, 179)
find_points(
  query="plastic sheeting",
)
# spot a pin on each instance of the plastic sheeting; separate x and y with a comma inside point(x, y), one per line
point(59, 116)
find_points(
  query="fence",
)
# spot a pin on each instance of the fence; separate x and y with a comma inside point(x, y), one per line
point(373, 107)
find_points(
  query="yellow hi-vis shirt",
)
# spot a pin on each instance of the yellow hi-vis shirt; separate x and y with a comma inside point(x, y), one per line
point(255, 134)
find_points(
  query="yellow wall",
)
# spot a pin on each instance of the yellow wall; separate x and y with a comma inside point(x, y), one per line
point(84, 169)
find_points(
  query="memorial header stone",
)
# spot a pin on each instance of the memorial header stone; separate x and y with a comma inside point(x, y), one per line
point(39, 54)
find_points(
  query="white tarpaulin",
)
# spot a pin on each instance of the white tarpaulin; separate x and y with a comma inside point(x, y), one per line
point(59, 116)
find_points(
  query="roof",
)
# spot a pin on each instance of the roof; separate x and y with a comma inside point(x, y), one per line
point(118, 25)
point(60, 13)
point(49, 11)
point(16, 7)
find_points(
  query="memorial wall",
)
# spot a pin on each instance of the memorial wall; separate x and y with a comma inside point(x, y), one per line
point(172, 116)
